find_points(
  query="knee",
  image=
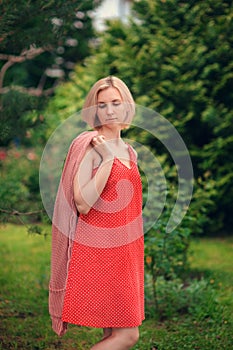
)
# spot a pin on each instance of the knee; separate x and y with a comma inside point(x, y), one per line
point(126, 338)
point(132, 338)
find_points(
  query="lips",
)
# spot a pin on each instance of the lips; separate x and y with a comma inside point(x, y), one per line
point(111, 119)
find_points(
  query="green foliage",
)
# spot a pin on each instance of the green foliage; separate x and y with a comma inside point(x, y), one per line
point(43, 23)
point(69, 98)
point(176, 58)
point(166, 258)
point(194, 297)
point(25, 322)
point(19, 184)
point(14, 125)
point(166, 253)
point(41, 42)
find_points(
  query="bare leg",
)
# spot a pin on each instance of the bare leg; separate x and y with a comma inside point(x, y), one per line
point(120, 339)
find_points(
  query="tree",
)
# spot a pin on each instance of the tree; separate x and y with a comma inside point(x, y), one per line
point(176, 57)
point(41, 42)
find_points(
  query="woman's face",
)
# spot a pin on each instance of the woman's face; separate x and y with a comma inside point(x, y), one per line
point(110, 107)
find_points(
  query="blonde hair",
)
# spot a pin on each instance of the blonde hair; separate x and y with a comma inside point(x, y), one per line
point(89, 111)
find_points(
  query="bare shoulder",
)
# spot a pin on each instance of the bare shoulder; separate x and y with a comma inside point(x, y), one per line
point(134, 151)
point(91, 156)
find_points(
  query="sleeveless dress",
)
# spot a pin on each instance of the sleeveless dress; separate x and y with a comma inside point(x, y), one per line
point(105, 283)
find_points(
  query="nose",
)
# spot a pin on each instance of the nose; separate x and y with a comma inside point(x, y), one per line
point(109, 109)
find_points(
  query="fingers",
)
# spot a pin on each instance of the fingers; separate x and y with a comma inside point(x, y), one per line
point(98, 140)
point(102, 147)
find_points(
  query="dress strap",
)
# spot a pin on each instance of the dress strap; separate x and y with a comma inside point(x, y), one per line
point(132, 153)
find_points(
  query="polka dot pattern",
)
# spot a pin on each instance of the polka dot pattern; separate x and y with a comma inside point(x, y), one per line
point(105, 285)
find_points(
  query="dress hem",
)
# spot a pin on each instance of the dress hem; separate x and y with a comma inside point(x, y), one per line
point(105, 325)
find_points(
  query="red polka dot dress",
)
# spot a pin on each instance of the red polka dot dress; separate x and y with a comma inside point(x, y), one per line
point(105, 284)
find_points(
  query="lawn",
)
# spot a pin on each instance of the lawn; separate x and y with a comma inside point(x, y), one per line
point(25, 323)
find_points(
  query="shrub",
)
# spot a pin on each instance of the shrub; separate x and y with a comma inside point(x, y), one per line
point(176, 297)
point(19, 186)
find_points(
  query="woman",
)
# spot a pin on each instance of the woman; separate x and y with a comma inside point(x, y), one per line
point(97, 270)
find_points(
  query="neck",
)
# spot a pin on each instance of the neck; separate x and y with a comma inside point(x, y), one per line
point(111, 134)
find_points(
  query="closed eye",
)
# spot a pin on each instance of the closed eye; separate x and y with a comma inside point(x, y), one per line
point(102, 105)
point(114, 103)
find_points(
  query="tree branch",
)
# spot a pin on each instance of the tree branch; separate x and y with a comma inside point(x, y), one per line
point(7, 65)
point(30, 91)
point(12, 59)
point(32, 229)
point(18, 213)
point(25, 54)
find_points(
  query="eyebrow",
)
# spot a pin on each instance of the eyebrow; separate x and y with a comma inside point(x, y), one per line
point(115, 100)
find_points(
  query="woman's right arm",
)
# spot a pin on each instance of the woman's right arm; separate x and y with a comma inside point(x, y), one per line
point(87, 189)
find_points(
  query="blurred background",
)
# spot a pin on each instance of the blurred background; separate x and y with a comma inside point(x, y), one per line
point(176, 58)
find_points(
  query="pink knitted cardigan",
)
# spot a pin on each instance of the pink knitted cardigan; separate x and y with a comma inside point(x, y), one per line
point(64, 223)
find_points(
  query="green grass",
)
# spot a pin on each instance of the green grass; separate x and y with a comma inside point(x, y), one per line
point(213, 258)
point(25, 323)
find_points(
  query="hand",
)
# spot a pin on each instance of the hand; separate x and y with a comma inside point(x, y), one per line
point(102, 147)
